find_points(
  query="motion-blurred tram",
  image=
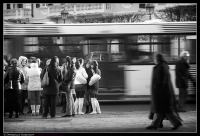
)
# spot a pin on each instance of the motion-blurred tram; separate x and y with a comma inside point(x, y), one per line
point(124, 51)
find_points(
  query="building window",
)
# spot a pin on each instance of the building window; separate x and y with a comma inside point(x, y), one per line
point(20, 5)
point(62, 3)
point(8, 6)
point(13, 6)
point(37, 5)
point(141, 5)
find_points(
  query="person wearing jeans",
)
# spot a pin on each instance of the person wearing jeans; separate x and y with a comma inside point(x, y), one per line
point(69, 80)
point(34, 87)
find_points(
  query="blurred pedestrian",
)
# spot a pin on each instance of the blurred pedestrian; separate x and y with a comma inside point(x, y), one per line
point(182, 77)
point(163, 100)
point(80, 85)
point(69, 78)
point(51, 91)
point(34, 87)
point(14, 77)
point(23, 62)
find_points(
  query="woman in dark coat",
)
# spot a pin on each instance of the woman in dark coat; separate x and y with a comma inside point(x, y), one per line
point(163, 100)
point(16, 78)
point(51, 91)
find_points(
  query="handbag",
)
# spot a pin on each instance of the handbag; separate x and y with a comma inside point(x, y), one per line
point(45, 80)
point(94, 79)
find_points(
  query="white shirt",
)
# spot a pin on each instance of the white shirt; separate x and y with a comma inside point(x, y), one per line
point(80, 72)
point(34, 83)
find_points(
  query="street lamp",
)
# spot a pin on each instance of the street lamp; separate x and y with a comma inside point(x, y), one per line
point(64, 15)
point(149, 9)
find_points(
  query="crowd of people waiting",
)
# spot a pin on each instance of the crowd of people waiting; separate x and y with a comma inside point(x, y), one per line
point(23, 80)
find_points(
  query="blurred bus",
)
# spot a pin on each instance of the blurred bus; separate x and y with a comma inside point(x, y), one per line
point(124, 51)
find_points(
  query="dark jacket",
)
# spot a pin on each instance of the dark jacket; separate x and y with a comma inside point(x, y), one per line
point(54, 80)
point(16, 76)
point(182, 74)
point(70, 77)
point(95, 86)
point(162, 92)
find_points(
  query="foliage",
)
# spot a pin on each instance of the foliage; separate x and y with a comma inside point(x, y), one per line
point(179, 13)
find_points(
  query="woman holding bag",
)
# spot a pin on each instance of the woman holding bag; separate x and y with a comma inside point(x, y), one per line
point(51, 91)
point(80, 85)
point(93, 89)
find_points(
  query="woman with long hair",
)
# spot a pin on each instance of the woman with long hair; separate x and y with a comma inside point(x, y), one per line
point(80, 85)
point(51, 91)
point(93, 89)
point(68, 79)
point(87, 101)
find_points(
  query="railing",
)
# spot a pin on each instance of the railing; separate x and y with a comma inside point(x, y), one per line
point(76, 9)
point(17, 13)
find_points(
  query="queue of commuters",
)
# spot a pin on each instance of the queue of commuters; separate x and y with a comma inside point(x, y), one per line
point(22, 80)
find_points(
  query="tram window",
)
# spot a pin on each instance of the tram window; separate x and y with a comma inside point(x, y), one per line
point(142, 51)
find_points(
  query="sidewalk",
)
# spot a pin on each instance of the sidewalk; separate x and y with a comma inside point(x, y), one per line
point(106, 122)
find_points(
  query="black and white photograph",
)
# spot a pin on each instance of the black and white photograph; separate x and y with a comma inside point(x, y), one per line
point(99, 68)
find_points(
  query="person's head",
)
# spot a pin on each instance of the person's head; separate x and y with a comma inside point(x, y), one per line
point(54, 61)
point(79, 63)
point(185, 56)
point(94, 64)
point(87, 63)
point(23, 61)
point(14, 62)
point(68, 61)
point(158, 58)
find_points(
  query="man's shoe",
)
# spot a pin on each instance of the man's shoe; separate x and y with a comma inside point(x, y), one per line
point(73, 115)
point(66, 116)
point(151, 128)
point(176, 127)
